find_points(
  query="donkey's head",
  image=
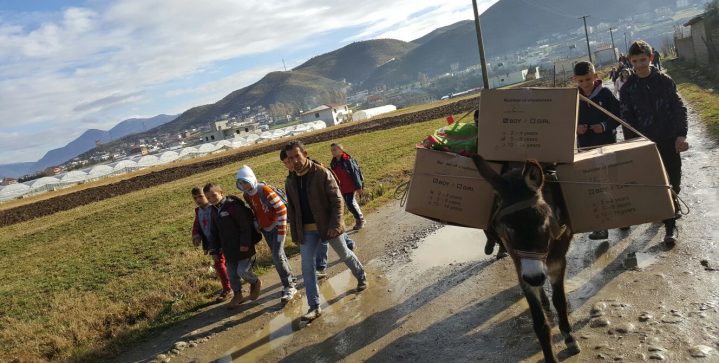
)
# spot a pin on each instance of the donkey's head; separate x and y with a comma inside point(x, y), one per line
point(523, 220)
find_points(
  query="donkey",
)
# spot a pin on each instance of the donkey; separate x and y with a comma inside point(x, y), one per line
point(527, 226)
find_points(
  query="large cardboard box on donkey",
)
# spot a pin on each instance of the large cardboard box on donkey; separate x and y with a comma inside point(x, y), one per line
point(616, 186)
point(447, 187)
point(528, 123)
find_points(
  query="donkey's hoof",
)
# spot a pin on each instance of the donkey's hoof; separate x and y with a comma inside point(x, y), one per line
point(573, 347)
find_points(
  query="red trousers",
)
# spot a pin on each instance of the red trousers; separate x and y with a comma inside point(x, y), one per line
point(221, 270)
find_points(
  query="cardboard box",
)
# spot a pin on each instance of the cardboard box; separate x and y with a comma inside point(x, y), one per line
point(616, 186)
point(447, 187)
point(529, 123)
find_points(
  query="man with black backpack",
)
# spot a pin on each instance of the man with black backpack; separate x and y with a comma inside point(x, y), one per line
point(269, 205)
point(234, 233)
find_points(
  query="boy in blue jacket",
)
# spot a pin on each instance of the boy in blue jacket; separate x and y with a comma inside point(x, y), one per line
point(594, 127)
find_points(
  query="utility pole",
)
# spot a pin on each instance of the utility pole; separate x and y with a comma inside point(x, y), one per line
point(284, 65)
point(614, 51)
point(586, 34)
point(480, 45)
point(626, 47)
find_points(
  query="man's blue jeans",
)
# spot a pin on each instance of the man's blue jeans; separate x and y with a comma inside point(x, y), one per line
point(322, 252)
point(309, 249)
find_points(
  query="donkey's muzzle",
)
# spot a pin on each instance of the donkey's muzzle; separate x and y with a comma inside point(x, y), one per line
point(534, 272)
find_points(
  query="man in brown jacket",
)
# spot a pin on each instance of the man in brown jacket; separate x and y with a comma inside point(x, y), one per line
point(315, 215)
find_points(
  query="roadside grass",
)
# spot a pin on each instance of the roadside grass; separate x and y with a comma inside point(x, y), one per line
point(700, 87)
point(81, 285)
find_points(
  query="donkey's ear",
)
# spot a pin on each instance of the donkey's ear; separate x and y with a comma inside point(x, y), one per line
point(486, 171)
point(533, 175)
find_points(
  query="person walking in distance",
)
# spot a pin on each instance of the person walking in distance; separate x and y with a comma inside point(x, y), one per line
point(351, 180)
point(202, 235)
point(271, 216)
point(316, 217)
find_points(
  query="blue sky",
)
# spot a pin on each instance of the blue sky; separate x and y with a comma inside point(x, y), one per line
point(67, 66)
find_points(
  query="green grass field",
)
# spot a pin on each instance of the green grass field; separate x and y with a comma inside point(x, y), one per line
point(699, 87)
point(81, 284)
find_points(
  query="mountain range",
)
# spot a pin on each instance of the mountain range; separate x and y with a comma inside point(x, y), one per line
point(85, 142)
point(507, 26)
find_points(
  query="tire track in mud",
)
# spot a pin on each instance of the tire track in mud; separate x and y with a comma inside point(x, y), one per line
point(79, 198)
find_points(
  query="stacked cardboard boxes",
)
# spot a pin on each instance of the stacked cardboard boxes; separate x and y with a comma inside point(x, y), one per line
point(609, 187)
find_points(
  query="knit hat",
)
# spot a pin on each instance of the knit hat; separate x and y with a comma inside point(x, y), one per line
point(246, 175)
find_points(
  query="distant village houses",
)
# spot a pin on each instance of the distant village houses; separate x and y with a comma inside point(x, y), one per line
point(331, 114)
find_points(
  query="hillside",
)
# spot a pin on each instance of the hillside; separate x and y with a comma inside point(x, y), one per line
point(83, 143)
point(506, 26)
point(440, 49)
point(300, 89)
point(355, 62)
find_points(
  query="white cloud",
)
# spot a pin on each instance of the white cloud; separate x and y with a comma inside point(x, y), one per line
point(90, 63)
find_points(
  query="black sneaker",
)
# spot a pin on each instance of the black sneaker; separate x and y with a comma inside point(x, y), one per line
point(670, 239)
point(489, 247)
point(502, 253)
point(362, 284)
point(599, 235)
point(321, 274)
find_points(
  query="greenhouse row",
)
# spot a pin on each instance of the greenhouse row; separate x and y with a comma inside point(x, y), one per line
point(133, 163)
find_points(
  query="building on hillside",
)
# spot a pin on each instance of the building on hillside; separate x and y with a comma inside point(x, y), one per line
point(694, 47)
point(222, 130)
point(139, 150)
point(606, 56)
point(331, 114)
point(53, 170)
point(507, 78)
point(566, 66)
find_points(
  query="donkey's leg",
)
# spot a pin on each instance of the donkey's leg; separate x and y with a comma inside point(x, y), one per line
point(559, 298)
point(539, 321)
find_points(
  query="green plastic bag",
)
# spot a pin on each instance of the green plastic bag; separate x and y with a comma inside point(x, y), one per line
point(459, 138)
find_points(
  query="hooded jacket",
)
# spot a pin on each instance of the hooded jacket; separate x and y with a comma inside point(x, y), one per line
point(653, 107)
point(348, 173)
point(268, 207)
point(231, 228)
point(590, 115)
point(325, 202)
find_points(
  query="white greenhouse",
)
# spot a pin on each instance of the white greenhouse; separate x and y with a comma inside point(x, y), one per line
point(43, 184)
point(168, 157)
point(206, 148)
point(188, 152)
point(147, 161)
point(372, 112)
point(223, 144)
point(13, 191)
point(124, 166)
point(74, 177)
point(99, 171)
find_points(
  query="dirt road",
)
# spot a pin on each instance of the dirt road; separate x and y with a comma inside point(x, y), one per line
point(435, 297)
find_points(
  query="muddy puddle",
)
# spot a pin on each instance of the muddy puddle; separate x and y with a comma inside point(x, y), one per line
point(342, 307)
point(449, 245)
point(340, 304)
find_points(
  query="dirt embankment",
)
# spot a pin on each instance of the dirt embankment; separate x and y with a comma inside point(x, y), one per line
point(69, 201)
